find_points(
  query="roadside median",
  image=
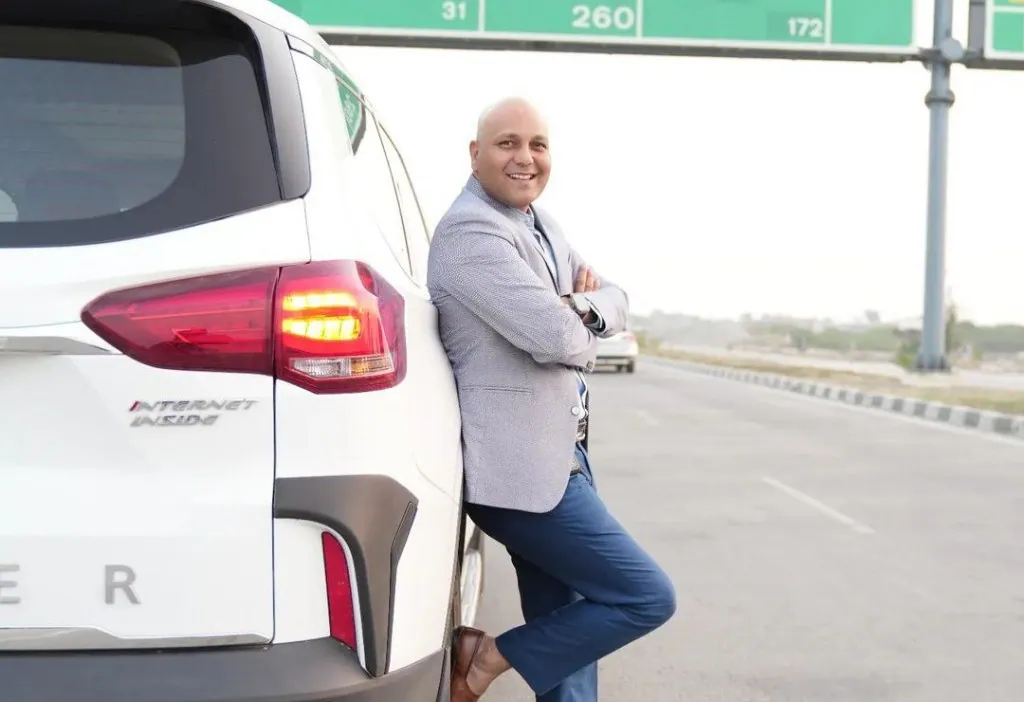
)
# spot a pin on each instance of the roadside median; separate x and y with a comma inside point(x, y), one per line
point(985, 409)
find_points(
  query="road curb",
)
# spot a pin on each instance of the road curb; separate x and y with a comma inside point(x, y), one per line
point(955, 415)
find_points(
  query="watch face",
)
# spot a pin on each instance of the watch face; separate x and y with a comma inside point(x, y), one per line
point(581, 304)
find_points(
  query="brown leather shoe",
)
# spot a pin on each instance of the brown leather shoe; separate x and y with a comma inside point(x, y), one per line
point(465, 643)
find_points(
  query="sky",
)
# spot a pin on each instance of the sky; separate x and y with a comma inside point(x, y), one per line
point(720, 187)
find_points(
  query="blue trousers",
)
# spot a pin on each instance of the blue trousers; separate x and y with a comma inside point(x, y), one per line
point(586, 589)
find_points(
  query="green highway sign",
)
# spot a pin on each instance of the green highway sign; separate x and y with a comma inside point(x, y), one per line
point(871, 29)
point(355, 113)
point(1004, 30)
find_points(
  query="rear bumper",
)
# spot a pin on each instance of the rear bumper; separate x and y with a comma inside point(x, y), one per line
point(617, 352)
point(615, 357)
point(310, 671)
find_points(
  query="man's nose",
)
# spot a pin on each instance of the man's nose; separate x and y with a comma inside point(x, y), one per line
point(523, 156)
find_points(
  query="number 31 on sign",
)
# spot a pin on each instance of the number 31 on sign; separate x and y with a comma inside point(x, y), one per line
point(452, 10)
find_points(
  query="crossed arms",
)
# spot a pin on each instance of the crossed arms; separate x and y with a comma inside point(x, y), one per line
point(478, 265)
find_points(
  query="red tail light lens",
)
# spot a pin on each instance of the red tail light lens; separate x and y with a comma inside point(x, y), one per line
point(329, 327)
point(629, 336)
point(339, 326)
point(211, 323)
point(340, 609)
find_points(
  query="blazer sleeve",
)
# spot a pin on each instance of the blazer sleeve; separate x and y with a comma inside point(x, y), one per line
point(610, 301)
point(478, 265)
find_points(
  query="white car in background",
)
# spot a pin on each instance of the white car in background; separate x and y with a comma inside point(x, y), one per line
point(230, 460)
point(620, 351)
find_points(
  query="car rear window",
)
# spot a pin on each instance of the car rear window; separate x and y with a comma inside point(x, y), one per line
point(112, 135)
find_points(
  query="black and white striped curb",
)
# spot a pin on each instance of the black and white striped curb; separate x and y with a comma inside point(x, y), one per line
point(967, 417)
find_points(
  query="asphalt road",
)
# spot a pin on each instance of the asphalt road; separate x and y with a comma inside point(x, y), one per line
point(820, 553)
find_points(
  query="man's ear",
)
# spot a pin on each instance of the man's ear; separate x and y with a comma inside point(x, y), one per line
point(474, 151)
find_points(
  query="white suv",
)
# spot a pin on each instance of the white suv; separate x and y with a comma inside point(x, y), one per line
point(230, 462)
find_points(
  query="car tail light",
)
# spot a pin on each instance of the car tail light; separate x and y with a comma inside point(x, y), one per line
point(339, 326)
point(629, 336)
point(340, 609)
point(329, 327)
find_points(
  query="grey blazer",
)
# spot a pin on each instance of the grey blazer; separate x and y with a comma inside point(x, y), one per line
point(513, 347)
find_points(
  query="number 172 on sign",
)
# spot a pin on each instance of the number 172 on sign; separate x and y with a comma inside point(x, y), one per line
point(806, 27)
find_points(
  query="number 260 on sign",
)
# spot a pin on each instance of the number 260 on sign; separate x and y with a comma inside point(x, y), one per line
point(603, 17)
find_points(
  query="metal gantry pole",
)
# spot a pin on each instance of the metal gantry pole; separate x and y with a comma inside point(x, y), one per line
point(931, 356)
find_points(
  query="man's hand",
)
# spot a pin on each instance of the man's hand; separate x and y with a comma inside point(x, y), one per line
point(586, 280)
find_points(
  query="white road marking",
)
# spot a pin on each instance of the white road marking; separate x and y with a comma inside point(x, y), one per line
point(646, 416)
point(820, 506)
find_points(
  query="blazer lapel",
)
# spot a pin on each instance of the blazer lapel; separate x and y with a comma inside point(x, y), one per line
point(562, 276)
point(546, 256)
point(558, 246)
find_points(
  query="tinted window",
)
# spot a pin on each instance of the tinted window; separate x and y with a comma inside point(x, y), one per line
point(108, 135)
point(416, 236)
point(379, 189)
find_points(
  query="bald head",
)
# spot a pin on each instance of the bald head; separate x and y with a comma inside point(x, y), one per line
point(510, 154)
point(506, 108)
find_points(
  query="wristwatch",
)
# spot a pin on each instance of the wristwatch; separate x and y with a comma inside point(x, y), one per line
point(579, 304)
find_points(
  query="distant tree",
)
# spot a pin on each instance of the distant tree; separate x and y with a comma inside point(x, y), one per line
point(873, 316)
point(646, 342)
point(952, 332)
point(910, 343)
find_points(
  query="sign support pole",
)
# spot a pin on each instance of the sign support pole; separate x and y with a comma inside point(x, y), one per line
point(945, 50)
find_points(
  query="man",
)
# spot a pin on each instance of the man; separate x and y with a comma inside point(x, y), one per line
point(519, 314)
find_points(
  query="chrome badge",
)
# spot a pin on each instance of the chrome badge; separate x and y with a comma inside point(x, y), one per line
point(184, 413)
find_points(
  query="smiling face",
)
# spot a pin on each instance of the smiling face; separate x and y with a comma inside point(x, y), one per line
point(510, 154)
